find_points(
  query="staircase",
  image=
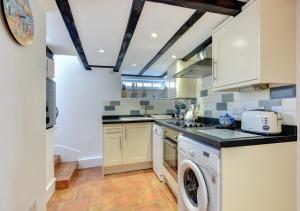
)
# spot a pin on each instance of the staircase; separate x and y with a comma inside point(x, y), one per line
point(64, 172)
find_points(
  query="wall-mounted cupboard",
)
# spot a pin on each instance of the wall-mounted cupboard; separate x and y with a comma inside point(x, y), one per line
point(256, 47)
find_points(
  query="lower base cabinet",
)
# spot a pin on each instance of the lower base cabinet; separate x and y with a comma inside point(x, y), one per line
point(127, 147)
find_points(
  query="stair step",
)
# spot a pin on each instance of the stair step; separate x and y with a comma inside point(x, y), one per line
point(64, 173)
point(56, 160)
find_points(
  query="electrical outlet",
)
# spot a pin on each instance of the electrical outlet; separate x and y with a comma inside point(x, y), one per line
point(33, 207)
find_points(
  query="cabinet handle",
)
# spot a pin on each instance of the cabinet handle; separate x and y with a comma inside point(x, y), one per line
point(125, 133)
point(214, 68)
point(120, 143)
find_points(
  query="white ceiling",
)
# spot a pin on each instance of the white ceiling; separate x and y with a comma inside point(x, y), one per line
point(101, 24)
point(58, 38)
point(188, 42)
point(162, 19)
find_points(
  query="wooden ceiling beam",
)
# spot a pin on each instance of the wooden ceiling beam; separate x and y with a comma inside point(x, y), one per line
point(136, 10)
point(225, 7)
point(198, 49)
point(183, 29)
point(66, 13)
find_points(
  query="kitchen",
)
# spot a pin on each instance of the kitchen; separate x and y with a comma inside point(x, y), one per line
point(150, 105)
point(200, 124)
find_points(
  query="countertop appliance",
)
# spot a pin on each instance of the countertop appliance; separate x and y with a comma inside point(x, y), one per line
point(197, 67)
point(198, 176)
point(157, 151)
point(262, 122)
point(170, 158)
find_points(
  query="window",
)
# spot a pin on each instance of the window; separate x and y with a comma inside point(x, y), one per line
point(148, 84)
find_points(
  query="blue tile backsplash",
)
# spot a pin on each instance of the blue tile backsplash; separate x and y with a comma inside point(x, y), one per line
point(214, 104)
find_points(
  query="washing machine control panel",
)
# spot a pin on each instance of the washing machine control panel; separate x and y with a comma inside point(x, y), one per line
point(204, 155)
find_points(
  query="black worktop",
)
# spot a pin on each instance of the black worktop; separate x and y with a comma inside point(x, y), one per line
point(115, 119)
point(289, 133)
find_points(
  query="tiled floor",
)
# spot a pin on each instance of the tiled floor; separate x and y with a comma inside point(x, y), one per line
point(131, 191)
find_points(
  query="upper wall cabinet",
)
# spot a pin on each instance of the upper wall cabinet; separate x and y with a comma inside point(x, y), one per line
point(180, 87)
point(256, 47)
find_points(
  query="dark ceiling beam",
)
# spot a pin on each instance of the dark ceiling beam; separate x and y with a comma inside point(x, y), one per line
point(198, 49)
point(186, 26)
point(141, 76)
point(164, 74)
point(66, 13)
point(102, 66)
point(135, 13)
point(147, 76)
point(225, 7)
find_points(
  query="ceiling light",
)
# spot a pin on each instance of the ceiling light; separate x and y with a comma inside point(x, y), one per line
point(174, 57)
point(154, 35)
point(134, 65)
point(101, 51)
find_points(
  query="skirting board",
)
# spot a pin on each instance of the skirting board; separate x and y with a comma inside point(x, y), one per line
point(90, 162)
point(127, 168)
point(50, 189)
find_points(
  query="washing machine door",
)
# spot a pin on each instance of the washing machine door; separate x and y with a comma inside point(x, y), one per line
point(192, 187)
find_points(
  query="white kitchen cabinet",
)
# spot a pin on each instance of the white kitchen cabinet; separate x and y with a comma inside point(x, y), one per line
point(137, 145)
point(256, 47)
point(180, 87)
point(113, 145)
point(127, 147)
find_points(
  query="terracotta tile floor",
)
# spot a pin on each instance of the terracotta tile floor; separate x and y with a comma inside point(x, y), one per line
point(131, 191)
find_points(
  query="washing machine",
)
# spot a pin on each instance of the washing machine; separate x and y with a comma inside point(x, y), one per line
point(198, 176)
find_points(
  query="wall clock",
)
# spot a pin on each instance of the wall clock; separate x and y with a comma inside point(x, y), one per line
point(20, 20)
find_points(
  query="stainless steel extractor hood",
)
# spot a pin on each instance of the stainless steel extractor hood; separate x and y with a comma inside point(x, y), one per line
point(200, 66)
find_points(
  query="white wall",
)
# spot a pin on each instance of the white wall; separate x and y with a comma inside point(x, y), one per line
point(50, 179)
point(80, 96)
point(22, 111)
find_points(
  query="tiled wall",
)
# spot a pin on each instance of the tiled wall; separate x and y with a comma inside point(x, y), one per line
point(213, 104)
point(138, 106)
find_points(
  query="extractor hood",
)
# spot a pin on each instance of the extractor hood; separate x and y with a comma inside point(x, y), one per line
point(199, 66)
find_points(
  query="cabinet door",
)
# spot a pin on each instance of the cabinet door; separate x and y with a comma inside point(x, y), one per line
point(236, 49)
point(137, 143)
point(112, 149)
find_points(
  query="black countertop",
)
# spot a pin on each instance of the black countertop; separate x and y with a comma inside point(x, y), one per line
point(289, 133)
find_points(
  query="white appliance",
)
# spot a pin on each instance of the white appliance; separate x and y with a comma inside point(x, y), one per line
point(264, 122)
point(199, 176)
point(157, 151)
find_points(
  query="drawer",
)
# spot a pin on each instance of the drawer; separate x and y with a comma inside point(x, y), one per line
point(113, 129)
